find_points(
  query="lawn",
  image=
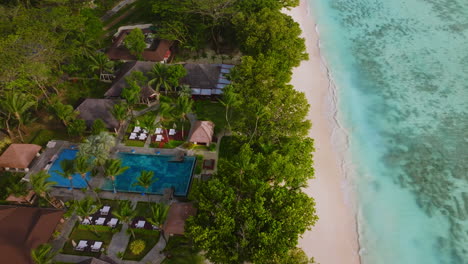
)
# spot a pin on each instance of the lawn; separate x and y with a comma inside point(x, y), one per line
point(114, 204)
point(80, 232)
point(199, 164)
point(143, 209)
point(180, 251)
point(213, 111)
point(173, 143)
point(151, 238)
point(42, 136)
point(134, 143)
point(8, 178)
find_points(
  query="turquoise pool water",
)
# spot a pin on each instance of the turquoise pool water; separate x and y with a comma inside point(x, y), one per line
point(401, 71)
point(169, 174)
point(78, 182)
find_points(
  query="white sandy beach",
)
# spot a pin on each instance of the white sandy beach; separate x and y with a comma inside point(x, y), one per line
point(333, 240)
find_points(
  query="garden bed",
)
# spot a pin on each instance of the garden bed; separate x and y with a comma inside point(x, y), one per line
point(150, 237)
point(81, 232)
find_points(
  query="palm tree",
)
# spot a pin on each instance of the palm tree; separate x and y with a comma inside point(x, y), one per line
point(85, 208)
point(184, 107)
point(145, 180)
point(68, 169)
point(85, 46)
point(158, 217)
point(120, 112)
point(64, 112)
point(16, 104)
point(113, 168)
point(125, 214)
point(229, 100)
point(97, 147)
point(101, 63)
point(147, 122)
point(83, 165)
point(185, 90)
point(43, 254)
point(159, 77)
point(41, 186)
point(17, 189)
point(166, 112)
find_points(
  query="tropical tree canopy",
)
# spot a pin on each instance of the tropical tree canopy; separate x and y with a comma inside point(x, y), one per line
point(43, 254)
point(97, 147)
point(135, 42)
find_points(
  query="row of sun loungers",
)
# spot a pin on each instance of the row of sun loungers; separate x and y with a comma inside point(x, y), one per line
point(172, 132)
point(138, 129)
point(100, 221)
point(141, 136)
point(83, 244)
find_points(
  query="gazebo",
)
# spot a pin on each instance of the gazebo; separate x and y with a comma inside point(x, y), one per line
point(202, 132)
point(176, 217)
point(19, 156)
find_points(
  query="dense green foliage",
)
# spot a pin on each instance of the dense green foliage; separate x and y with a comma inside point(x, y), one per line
point(135, 42)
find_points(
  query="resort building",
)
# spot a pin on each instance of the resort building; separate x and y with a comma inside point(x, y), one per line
point(19, 156)
point(93, 109)
point(202, 133)
point(206, 80)
point(157, 50)
point(120, 82)
point(176, 217)
point(23, 229)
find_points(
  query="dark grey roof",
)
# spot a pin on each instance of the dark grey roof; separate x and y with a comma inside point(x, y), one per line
point(93, 261)
point(92, 109)
point(201, 76)
point(120, 83)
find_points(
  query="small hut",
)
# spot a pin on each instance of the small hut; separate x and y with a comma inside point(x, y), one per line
point(202, 133)
point(93, 109)
point(176, 217)
point(19, 156)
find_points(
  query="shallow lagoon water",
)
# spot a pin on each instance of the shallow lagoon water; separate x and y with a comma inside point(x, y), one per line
point(401, 72)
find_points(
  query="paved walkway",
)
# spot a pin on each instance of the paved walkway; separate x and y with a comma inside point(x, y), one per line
point(118, 243)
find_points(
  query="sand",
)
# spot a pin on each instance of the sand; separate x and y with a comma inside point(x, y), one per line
point(334, 239)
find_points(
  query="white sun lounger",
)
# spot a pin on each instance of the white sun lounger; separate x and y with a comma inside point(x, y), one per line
point(132, 136)
point(105, 210)
point(158, 130)
point(100, 221)
point(113, 222)
point(159, 138)
point(142, 137)
point(137, 129)
point(87, 221)
point(81, 245)
point(96, 246)
point(172, 132)
point(140, 224)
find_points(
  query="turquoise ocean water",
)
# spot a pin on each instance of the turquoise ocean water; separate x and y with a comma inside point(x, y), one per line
point(401, 72)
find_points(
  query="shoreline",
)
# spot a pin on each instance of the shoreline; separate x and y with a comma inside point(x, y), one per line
point(334, 238)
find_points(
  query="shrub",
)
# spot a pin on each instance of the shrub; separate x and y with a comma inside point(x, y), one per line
point(137, 246)
point(212, 147)
point(4, 143)
point(98, 228)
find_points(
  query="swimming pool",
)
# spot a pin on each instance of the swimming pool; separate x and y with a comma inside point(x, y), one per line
point(169, 174)
point(78, 182)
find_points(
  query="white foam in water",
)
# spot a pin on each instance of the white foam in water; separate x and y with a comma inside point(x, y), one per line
point(401, 72)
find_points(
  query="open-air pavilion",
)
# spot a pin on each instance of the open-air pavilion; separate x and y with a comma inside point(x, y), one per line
point(202, 133)
point(19, 156)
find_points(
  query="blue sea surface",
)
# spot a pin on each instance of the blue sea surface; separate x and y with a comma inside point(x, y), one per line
point(401, 72)
point(78, 182)
point(168, 173)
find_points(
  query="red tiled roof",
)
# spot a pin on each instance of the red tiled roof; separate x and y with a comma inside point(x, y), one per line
point(19, 155)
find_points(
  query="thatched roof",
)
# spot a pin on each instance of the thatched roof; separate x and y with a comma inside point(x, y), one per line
point(120, 82)
point(19, 155)
point(201, 76)
point(92, 109)
point(202, 132)
point(23, 229)
point(178, 213)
